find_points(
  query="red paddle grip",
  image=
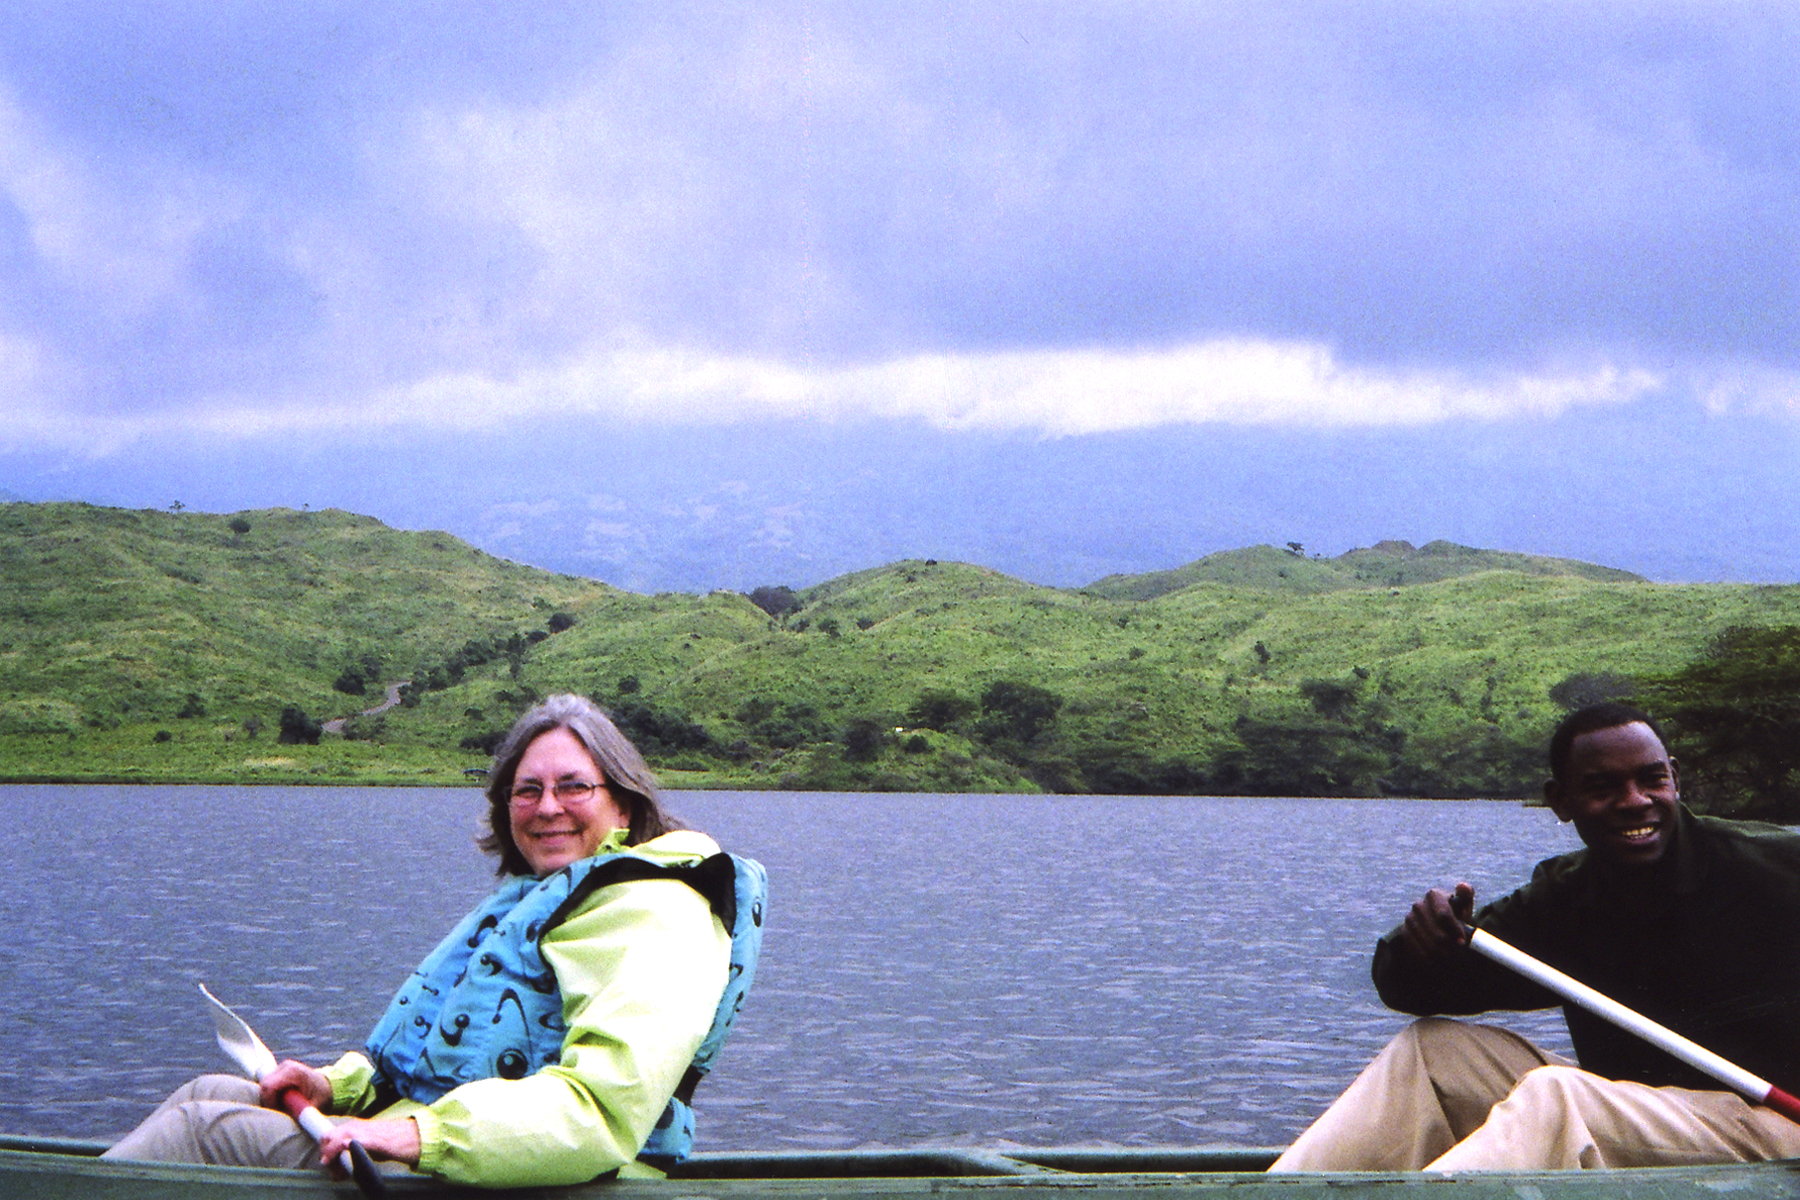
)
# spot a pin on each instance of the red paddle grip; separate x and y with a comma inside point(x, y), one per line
point(294, 1102)
point(1783, 1103)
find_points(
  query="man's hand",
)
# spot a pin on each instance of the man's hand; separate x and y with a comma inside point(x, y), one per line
point(1434, 927)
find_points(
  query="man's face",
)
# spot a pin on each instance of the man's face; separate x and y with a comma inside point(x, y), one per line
point(1620, 789)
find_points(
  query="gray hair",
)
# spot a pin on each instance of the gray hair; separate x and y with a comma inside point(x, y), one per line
point(626, 775)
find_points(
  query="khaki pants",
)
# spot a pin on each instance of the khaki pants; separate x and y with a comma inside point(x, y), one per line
point(1450, 1096)
point(216, 1119)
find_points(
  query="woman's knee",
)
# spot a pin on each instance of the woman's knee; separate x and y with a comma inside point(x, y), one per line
point(230, 1089)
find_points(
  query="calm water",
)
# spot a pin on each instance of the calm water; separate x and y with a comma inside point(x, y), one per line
point(944, 969)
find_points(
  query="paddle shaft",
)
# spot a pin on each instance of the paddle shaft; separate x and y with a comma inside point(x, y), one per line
point(310, 1119)
point(243, 1047)
point(355, 1161)
point(1753, 1087)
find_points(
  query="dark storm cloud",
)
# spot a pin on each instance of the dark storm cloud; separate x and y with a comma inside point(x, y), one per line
point(332, 233)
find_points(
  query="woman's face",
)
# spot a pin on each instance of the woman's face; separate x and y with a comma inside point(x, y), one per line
point(552, 831)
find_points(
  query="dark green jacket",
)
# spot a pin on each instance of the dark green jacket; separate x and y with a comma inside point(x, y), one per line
point(1706, 942)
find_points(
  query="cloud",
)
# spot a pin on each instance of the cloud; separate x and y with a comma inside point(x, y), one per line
point(1053, 393)
point(1057, 393)
point(1053, 218)
point(80, 228)
point(1748, 388)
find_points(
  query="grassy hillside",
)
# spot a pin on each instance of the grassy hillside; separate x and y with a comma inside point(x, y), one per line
point(115, 621)
point(1425, 672)
point(1385, 564)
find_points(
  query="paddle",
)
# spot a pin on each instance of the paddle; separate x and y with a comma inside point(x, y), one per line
point(244, 1048)
point(1752, 1087)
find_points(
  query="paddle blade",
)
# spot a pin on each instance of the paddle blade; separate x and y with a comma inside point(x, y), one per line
point(238, 1040)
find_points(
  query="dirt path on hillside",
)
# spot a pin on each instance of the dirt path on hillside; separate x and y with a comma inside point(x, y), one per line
point(336, 724)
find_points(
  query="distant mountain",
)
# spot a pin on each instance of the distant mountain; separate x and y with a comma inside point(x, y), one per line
point(1385, 564)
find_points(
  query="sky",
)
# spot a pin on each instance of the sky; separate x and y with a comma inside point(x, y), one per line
point(688, 296)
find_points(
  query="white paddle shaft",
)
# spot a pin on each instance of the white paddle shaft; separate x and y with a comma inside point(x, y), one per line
point(1694, 1055)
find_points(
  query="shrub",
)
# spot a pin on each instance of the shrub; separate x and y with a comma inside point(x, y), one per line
point(941, 711)
point(776, 601)
point(863, 739)
point(1584, 688)
point(660, 731)
point(1019, 711)
point(299, 729)
point(484, 743)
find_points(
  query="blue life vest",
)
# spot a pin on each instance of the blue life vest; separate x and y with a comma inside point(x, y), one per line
point(485, 1005)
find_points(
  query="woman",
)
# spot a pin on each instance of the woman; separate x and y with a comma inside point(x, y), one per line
point(543, 1040)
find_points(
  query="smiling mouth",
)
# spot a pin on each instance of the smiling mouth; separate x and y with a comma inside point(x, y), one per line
point(1642, 833)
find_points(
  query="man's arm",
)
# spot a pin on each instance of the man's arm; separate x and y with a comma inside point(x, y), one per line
point(1425, 967)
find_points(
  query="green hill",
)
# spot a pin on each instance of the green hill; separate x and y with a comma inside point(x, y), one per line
point(149, 645)
point(113, 621)
point(1385, 564)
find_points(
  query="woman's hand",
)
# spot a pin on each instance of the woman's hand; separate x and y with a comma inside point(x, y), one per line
point(308, 1081)
point(392, 1139)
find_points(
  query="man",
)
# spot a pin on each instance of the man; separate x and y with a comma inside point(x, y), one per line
point(1692, 921)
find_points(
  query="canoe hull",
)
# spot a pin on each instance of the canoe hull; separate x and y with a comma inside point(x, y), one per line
point(46, 1169)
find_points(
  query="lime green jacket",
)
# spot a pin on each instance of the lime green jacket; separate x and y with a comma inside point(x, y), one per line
point(641, 966)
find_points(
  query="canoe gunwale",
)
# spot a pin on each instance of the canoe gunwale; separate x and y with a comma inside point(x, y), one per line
point(65, 1169)
point(911, 1163)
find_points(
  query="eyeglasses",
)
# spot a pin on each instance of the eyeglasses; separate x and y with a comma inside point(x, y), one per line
point(527, 795)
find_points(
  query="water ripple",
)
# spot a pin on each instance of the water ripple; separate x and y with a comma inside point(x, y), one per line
point(957, 970)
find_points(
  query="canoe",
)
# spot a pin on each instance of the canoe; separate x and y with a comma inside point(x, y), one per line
point(58, 1169)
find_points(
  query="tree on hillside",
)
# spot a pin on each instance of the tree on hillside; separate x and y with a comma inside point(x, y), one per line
point(299, 729)
point(1301, 758)
point(754, 710)
point(942, 711)
point(783, 729)
point(778, 602)
point(864, 738)
point(1734, 716)
point(660, 730)
point(1331, 698)
point(1016, 711)
point(1584, 688)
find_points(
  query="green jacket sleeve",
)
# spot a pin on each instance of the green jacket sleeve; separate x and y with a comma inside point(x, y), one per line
point(641, 968)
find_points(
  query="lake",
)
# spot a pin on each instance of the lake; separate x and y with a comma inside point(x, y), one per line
point(957, 970)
